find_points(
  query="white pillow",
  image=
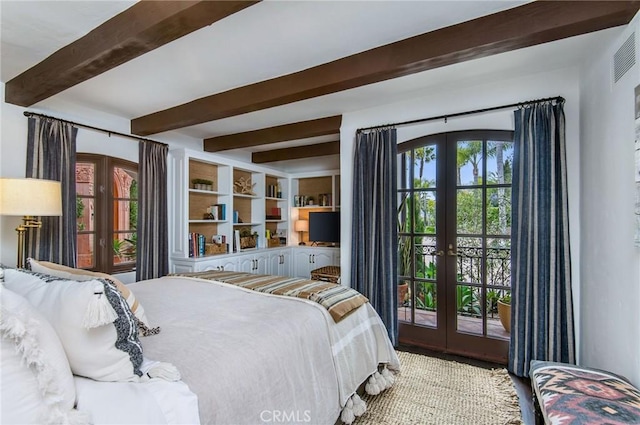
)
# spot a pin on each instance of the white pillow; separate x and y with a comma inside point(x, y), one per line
point(65, 272)
point(94, 323)
point(37, 384)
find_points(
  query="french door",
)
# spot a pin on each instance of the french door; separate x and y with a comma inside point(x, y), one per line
point(454, 226)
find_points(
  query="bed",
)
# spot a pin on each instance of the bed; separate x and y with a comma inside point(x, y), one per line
point(245, 357)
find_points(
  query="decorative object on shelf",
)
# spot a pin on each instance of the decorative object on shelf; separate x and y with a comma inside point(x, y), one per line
point(248, 239)
point(244, 187)
point(214, 248)
point(274, 214)
point(301, 226)
point(324, 199)
point(202, 184)
point(29, 198)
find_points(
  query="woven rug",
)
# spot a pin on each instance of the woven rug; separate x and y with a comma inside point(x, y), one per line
point(435, 391)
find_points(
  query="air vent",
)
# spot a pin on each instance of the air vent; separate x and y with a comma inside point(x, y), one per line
point(624, 58)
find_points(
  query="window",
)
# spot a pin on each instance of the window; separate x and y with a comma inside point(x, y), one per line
point(106, 212)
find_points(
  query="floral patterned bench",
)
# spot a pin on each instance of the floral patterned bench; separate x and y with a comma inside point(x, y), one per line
point(571, 395)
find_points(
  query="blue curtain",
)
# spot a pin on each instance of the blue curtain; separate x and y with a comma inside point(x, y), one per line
point(51, 155)
point(374, 252)
point(152, 259)
point(542, 306)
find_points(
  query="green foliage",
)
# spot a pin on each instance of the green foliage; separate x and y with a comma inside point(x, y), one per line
point(467, 301)
point(79, 212)
point(125, 249)
point(506, 299)
point(133, 207)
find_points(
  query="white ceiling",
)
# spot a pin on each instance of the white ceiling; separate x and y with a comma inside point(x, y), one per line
point(263, 41)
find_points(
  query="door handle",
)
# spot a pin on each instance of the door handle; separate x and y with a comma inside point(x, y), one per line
point(451, 252)
point(438, 253)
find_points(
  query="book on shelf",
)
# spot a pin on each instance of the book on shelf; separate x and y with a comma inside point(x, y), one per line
point(196, 245)
point(274, 214)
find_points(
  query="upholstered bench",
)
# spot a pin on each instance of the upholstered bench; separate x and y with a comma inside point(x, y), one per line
point(571, 395)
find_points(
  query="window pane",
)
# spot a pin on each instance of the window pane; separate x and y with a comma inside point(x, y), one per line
point(85, 214)
point(469, 309)
point(469, 211)
point(500, 162)
point(425, 264)
point(404, 216)
point(404, 256)
point(499, 211)
point(86, 250)
point(498, 262)
point(469, 260)
point(125, 215)
point(470, 163)
point(85, 178)
point(425, 167)
point(404, 168)
point(424, 205)
point(426, 303)
point(124, 247)
point(125, 183)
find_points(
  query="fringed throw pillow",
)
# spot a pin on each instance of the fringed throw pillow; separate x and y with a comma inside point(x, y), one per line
point(37, 383)
point(65, 272)
point(94, 322)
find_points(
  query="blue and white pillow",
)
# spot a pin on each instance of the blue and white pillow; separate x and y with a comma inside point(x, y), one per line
point(94, 322)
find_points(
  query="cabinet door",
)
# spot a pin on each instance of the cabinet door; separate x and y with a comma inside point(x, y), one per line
point(246, 264)
point(228, 264)
point(321, 259)
point(302, 263)
point(260, 264)
point(253, 264)
point(275, 258)
point(285, 265)
point(280, 262)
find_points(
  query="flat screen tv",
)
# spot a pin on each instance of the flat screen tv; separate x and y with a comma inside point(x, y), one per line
point(324, 227)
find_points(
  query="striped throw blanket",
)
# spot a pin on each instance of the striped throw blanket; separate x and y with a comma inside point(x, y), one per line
point(337, 299)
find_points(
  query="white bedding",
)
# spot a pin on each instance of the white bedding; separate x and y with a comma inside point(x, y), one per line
point(152, 402)
point(253, 357)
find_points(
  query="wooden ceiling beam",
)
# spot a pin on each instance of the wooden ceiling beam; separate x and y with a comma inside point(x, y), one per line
point(143, 27)
point(280, 133)
point(528, 25)
point(297, 152)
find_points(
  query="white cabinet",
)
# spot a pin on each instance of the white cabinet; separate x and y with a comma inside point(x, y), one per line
point(280, 262)
point(227, 263)
point(253, 263)
point(307, 259)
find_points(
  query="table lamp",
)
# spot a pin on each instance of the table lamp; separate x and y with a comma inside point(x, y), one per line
point(29, 198)
point(301, 226)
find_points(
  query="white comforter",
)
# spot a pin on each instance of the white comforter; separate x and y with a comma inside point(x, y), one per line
point(259, 358)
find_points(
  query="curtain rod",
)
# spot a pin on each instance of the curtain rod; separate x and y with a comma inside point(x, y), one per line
point(558, 99)
point(90, 127)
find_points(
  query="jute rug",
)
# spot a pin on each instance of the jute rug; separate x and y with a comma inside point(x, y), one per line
point(435, 391)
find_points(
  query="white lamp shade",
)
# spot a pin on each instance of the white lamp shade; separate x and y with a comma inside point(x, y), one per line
point(34, 197)
point(301, 226)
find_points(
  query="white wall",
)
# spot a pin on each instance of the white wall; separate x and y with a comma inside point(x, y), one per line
point(609, 263)
point(464, 98)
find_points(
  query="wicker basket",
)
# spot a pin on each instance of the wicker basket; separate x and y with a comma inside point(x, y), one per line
point(247, 242)
point(214, 248)
point(273, 242)
point(327, 274)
